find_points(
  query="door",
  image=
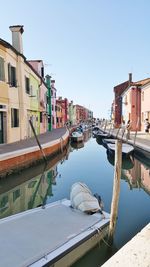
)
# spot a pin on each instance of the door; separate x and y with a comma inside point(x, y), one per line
point(1, 128)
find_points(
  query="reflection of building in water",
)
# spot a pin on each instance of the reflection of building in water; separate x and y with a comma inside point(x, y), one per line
point(138, 176)
point(87, 135)
point(29, 194)
point(23, 191)
point(145, 178)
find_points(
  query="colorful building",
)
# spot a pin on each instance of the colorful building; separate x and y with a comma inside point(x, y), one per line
point(53, 103)
point(133, 106)
point(19, 91)
point(49, 102)
point(42, 94)
point(65, 109)
point(59, 116)
point(118, 91)
point(145, 103)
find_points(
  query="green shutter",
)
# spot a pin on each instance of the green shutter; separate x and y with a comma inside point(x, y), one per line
point(2, 71)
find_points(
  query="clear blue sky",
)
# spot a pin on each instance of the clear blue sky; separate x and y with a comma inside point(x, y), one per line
point(88, 46)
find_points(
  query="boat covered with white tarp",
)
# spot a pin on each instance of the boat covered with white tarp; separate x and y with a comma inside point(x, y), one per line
point(82, 198)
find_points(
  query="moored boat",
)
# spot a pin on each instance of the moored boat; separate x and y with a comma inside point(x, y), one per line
point(106, 141)
point(127, 149)
point(54, 235)
point(77, 136)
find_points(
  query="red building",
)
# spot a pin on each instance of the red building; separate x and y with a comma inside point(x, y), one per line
point(64, 103)
point(81, 114)
point(118, 91)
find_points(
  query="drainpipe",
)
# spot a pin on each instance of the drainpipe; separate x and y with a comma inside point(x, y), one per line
point(48, 82)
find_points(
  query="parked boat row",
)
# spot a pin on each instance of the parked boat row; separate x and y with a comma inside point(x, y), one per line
point(109, 143)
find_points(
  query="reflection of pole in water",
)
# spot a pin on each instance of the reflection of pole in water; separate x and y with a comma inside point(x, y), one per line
point(31, 202)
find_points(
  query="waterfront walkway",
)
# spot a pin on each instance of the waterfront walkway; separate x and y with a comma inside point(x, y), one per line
point(135, 253)
point(31, 142)
point(141, 142)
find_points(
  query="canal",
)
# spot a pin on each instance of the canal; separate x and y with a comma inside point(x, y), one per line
point(89, 163)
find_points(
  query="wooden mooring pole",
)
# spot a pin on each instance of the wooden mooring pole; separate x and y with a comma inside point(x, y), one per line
point(137, 124)
point(116, 190)
point(38, 142)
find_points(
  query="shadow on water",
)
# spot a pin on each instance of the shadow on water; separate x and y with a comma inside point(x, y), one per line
point(97, 256)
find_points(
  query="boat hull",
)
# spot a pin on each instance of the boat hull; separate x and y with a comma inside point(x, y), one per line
point(77, 139)
point(82, 249)
point(53, 235)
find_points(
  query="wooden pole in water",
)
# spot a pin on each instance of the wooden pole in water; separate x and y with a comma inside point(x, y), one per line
point(116, 189)
point(105, 125)
point(137, 124)
point(38, 142)
point(118, 131)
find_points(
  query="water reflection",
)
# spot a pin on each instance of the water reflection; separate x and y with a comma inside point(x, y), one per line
point(90, 164)
point(77, 145)
point(32, 187)
point(138, 177)
point(127, 163)
point(25, 191)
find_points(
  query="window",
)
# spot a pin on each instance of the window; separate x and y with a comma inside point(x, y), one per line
point(12, 76)
point(14, 117)
point(16, 194)
point(2, 72)
point(41, 117)
point(42, 72)
point(27, 85)
point(142, 96)
point(32, 184)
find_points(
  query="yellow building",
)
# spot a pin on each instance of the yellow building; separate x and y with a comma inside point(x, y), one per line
point(19, 91)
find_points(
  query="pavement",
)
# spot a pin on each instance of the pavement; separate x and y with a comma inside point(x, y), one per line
point(142, 140)
point(135, 253)
point(31, 142)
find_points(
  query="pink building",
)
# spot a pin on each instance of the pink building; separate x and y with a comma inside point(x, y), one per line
point(131, 104)
point(145, 103)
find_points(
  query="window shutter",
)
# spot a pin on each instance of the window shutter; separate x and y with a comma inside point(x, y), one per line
point(2, 72)
point(13, 76)
point(9, 73)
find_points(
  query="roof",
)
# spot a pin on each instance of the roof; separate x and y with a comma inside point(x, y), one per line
point(9, 46)
point(142, 82)
point(120, 88)
point(138, 83)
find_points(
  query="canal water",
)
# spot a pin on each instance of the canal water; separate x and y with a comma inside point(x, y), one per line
point(90, 163)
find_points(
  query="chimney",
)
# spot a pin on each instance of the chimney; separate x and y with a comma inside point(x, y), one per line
point(130, 77)
point(17, 31)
